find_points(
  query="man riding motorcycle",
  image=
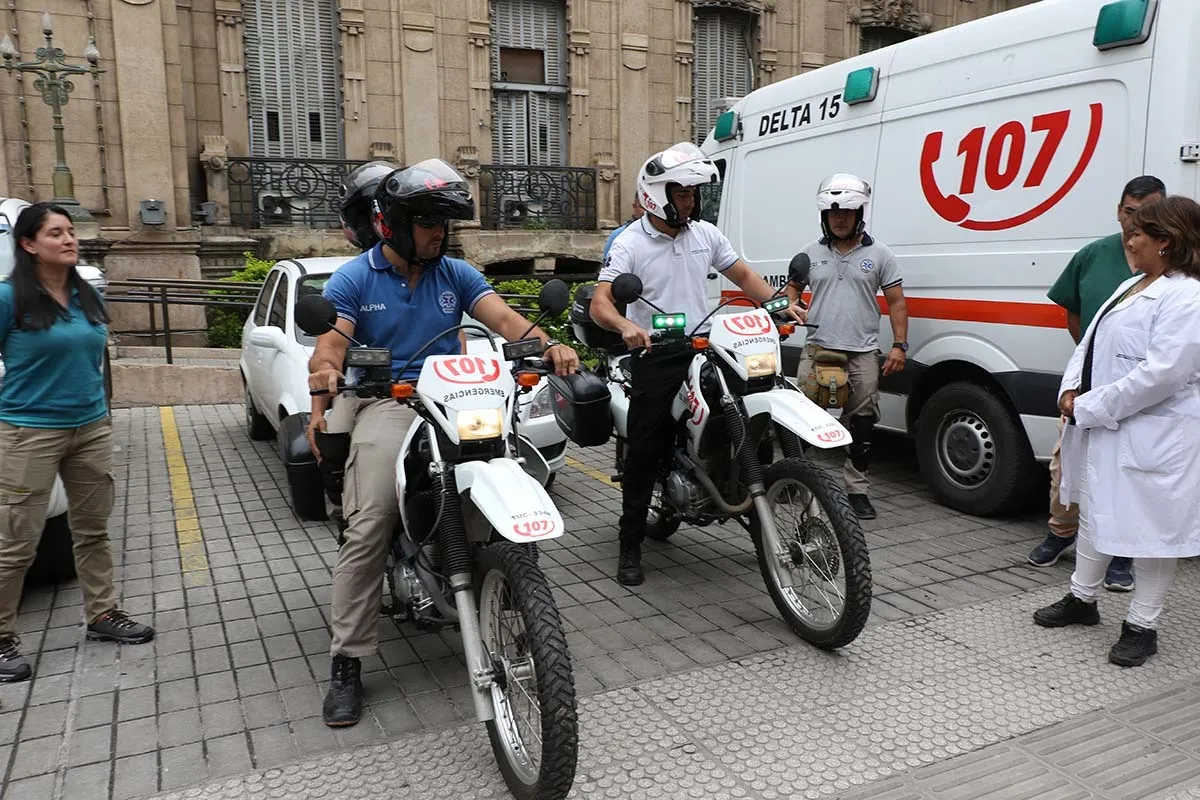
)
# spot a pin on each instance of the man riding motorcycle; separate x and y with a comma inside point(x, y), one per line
point(673, 251)
point(400, 293)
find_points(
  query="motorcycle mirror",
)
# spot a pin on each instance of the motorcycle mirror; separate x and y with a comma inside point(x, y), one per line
point(315, 315)
point(798, 269)
point(554, 297)
point(627, 288)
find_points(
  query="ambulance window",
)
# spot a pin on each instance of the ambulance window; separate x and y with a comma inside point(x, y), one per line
point(710, 195)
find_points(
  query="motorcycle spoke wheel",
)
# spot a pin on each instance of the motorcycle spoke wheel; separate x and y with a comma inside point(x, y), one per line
point(535, 733)
point(661, 520)
point(815, 564)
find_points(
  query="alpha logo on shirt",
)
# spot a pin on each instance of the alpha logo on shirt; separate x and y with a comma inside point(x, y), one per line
point(867, 265)
point(449, 302)
point(369, 307)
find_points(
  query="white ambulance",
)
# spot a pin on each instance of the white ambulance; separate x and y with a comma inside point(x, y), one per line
point(995, 150)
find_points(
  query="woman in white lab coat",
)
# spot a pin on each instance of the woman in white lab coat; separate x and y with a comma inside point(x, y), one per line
point(1131, 458)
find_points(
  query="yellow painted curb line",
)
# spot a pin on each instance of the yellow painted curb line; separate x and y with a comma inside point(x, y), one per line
point(591, 473)
point(192, 558)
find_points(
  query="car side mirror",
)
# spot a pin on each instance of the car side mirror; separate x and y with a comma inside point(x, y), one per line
point(798, 269)
point(554, 297)
point(626, 288)
point(267, 337)
point(315, 315)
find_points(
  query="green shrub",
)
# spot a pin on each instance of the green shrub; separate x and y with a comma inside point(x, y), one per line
point(225, 324)
point(556, 327)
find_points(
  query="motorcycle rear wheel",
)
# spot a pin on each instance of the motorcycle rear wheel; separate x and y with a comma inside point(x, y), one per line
point(661, 520)
point(809, 555)
point(535, 734)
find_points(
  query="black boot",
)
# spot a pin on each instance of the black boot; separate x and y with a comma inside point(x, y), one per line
point(629, 563)
point(1134, 647)
point(1068, 611)
point(343, 701)
point(860, 504)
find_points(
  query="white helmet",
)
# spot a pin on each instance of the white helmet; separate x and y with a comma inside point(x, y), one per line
point(683, 164)
point(843, 191)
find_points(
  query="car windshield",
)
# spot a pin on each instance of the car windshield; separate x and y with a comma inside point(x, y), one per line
point(309, 284)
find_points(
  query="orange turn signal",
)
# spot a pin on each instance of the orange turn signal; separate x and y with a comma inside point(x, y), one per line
point(528, 379)
point(787, 329)
point(699, 343)
point(402, 391)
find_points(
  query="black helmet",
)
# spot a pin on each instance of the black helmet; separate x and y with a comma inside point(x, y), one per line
point(354, 202)
point(429, 191)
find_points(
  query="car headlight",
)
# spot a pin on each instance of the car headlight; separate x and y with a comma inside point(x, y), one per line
point(759, 365)
point(480, 423)
point(542, 404)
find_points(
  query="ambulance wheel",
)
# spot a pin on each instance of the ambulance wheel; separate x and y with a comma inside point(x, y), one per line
point(973, 452)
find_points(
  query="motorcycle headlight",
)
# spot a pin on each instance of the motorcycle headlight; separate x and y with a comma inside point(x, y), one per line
point(760, 365)
point(542, 404)
point(480, 423)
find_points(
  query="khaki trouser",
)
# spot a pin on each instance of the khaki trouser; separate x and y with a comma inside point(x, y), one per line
point(372, 513)
point(1064, 520)
point(30, 458)
point(863, 401)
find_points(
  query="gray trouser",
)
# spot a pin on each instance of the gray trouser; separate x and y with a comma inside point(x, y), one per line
point(863, 401)
point(30, 458)
point(372, 512)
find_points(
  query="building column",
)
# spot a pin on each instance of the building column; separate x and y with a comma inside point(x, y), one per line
point(685, 57)
point(419, 82)
point(355, 123)
point(768, 47)
point(231, 54)
point(633, 89)
point(579, 46)
point(479, 78)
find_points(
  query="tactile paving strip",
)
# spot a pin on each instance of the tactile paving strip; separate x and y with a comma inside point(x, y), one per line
point(970, 703)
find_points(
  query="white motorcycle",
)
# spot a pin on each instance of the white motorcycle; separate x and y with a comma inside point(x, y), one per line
point(733, 404)
point(465, 554)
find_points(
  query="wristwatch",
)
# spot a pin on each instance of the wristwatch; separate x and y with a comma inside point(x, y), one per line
point(551, 343)
point(902, 345)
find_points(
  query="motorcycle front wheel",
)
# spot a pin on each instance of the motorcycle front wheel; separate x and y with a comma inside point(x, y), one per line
point(535, 733)
point(814, 560)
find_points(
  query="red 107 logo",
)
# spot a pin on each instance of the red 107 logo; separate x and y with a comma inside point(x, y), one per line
point(534, 528)
point(467, 369)
point(1001, 154)
point(747, 324)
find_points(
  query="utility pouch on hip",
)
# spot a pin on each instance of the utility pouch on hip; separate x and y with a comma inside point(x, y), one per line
point(828, 381)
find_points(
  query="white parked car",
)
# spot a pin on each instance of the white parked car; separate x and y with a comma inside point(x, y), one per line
point(274, 366)
point(55, 559)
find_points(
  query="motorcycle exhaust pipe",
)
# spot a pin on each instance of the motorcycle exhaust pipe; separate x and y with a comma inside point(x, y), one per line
point(713, 492)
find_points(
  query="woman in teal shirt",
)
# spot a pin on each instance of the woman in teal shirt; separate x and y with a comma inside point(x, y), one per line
point(54, 421)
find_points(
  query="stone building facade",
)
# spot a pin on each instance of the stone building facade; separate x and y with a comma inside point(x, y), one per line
point(237, 115)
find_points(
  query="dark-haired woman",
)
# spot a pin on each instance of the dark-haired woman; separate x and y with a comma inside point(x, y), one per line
point(54, 421)
point(1132, 389)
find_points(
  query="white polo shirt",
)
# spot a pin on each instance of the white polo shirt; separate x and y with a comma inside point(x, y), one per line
point(674, 269)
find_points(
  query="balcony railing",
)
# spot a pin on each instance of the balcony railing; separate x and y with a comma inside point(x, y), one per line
point(269, 192)
point(550, 198)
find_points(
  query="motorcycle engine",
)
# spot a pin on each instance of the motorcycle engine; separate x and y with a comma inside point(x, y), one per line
point(685, 494)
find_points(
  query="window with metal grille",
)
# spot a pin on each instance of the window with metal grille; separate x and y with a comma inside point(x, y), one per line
point(293, 78)
point(724, 64)
point(529, 82)
point(875, 37)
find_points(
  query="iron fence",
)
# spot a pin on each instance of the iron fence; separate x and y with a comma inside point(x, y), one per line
point(550, 198)
point(270, 192)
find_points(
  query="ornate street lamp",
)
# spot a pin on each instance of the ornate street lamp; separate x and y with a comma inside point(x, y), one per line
point(53, 71)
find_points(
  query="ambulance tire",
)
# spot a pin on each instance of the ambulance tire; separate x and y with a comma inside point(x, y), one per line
point(973, 452)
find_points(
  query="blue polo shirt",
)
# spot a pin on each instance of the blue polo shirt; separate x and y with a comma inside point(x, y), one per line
point(612, 237)
point(387, 312)
point(54, 378)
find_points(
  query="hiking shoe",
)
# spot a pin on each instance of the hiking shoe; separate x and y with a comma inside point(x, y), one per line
point(1068, 611)
point(116, 626)
point(629, 564)
point(1119, 577)
point(13, 666)
point(1050, 550)
point(860, 504)
point(1134, 647)
point(344, 700)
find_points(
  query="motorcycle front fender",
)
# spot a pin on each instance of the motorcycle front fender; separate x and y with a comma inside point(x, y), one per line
point(511, 501)
point(792, 410)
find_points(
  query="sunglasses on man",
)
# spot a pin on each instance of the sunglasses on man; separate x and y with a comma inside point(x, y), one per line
point(429, 223)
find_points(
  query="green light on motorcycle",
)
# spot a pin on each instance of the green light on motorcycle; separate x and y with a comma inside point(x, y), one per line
point(778, 304)
point(664, 321)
